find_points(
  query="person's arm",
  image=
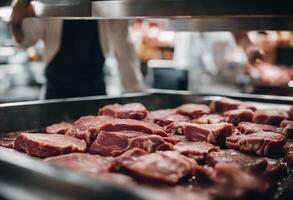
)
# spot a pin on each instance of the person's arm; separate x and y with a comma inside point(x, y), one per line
point(253, 52)
point(128, 62)
point(26, 32)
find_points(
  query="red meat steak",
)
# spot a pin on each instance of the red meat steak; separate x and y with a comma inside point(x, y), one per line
point(224, 104)
point(166, 116)
point(59, 128)
point(247, 162)
point(8, 140)
point(288, 150)
point(231, 182)
point(272, 116)
point(89, 164)
point(127, 111)
point(212, 133)
point(238, 115)
point(276, 167)
point(162, 166)
point(87, 128)
point(112, 143)
point(46, 145)
point(193, 110)
point(209, 119)
point(195, 150)
point(248, 128)
point(259, 143)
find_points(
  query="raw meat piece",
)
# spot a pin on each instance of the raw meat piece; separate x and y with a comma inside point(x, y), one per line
point(209, 119)
point(276, 167)
point(195, 150)
point(112, 143)
point(272, 116)
point(116, 178)
point(150, 143)
point(46, 145)
point(225, 104)
point(238, 115)
point(287, 128)
point(248, 128)
point(212, 133)
point(291, 113)
point(250, 163)
point(88, 127)
point(128, 156)
point(7, 141)
point(193, 110)
point(288, 150)
point(83, 162)
point(230, 182)
point(59, 128)
point(162, 166)
point(259, 143)
point(127, 111)
point(166, 116)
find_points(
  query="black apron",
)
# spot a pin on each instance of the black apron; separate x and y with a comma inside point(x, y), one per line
point(77, 68)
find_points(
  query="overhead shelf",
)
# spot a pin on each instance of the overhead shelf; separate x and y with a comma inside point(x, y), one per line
point(207, 15)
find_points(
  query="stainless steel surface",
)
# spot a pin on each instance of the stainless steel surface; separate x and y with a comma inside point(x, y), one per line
point(198, 15)
point(22, 176)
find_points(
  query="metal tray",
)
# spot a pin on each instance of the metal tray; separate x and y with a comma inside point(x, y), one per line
point(23, 177)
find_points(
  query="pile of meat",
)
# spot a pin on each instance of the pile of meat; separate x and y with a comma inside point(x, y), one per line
point(225, 150)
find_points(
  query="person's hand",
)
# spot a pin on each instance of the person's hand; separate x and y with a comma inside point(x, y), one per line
point(21, 9)
point(255, 54)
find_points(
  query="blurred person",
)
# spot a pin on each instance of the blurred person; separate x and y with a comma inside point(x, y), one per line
point(75, 50)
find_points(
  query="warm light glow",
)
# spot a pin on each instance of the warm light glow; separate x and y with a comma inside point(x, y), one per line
point(290, 83)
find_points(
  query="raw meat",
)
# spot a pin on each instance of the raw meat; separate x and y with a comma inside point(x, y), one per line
point(272, 116)
point(46, 145)
point(195, 150)
point(230, 182)
point(287, 128)
point(291, 113)
point(59, 128)
point(259, 143)
point(238, 115)
point(166, 116)
point(127, 111)
point(248, 128)
point(288, 150)
point(193, 110)
point(226, 104)
point(7, 141)
point(82, 162)
point(150, 143)
point(212, 133)
point(88, 127)
point(276, 167)
point(162, 166)
point(250, 163)
point(112, 143)
point(209, 119)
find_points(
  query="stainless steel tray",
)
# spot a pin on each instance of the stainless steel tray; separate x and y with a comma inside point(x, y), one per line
point(23, 177)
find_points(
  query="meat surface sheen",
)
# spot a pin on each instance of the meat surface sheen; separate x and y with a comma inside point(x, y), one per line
point(195, 150)
point(164, 167)
point(248, 128)
point(272, 116)
point(127, 111)
point(46, 145)
point(58, 128)
point(287, 128)
point(252, 164)
point(259, 143)
point(82, 162)
point(193, 110)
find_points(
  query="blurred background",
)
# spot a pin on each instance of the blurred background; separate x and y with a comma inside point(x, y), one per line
point(195, 61)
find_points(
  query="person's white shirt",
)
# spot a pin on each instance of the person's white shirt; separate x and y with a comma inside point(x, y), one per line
point(114, 39)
